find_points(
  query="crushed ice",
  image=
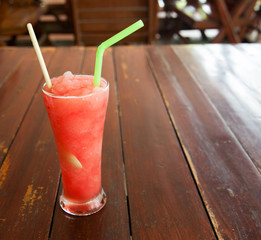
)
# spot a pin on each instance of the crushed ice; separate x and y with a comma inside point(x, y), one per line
point(68, 73)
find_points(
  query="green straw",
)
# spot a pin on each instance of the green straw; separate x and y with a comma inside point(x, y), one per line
point(116, 38)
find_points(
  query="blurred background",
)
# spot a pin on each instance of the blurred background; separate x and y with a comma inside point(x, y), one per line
point(90, 22)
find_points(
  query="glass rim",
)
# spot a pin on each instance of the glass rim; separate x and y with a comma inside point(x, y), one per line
point(87, 95)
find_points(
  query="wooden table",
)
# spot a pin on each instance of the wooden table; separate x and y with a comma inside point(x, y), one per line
point(181, 152)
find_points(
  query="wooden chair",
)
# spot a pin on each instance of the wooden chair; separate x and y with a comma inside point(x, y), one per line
point(96, 21)
point(235, 21)
point(16, 14)
point(231, 17)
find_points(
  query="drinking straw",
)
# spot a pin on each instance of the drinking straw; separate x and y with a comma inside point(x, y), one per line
point(116, 38)
point(39, 55)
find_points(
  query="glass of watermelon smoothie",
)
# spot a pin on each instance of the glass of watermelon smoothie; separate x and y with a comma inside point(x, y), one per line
point(77, 109)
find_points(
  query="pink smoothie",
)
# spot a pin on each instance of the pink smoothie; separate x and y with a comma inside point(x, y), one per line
point(77, 111)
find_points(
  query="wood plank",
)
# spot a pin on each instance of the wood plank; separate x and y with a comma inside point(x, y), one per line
point(233, 84)
point(97, 38)
point(111, 25)
point(9, 59)
point(112, 221)
point(228, 181)
point(30, 173)
point(163, 200)
point(113, 13)
point(107, 4)
point(153, 21)
point(17, 92)
point(109, 17)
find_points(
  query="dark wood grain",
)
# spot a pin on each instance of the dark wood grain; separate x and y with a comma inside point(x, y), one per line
point(112, 26)
point(228, 180)
point(232, 83)
point(89, 14)
point(181, 157)
point(112, 221)
point(16, 94)
point(111, 4)
point(94, 20)
point(30, 173)
point(97, 38)
point(164, 202)
point(9, 59)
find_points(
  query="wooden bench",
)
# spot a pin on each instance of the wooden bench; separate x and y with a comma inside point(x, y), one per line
point(16, 14)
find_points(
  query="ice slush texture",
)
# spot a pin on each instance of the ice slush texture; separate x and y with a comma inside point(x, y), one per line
point(74, 85)
point(77, 112)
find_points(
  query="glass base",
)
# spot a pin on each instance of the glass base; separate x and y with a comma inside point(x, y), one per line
point(84, 209)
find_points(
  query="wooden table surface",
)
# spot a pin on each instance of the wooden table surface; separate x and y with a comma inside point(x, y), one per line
point(181, 151)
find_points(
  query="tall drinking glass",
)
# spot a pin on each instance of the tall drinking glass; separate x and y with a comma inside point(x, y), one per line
point(78, 123)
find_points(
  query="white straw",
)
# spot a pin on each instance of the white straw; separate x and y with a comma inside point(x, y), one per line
point(39, 55)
